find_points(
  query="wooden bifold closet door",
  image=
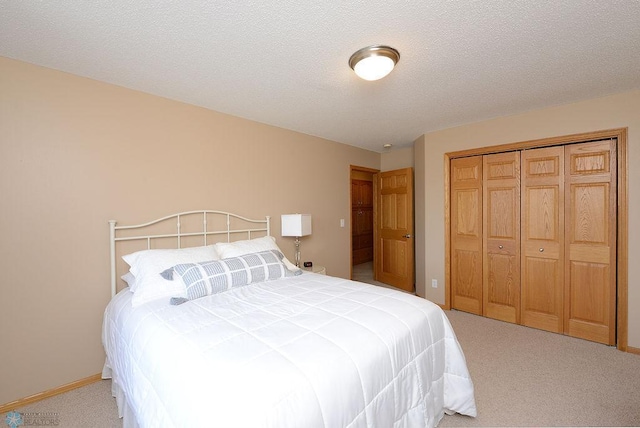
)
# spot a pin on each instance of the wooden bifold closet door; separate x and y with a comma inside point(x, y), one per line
point(501, 237)
point(543, 238)
point(590, 241)
point(466, 234)
point(533, 238)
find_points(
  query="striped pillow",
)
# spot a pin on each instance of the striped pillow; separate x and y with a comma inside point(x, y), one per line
point(217, 276)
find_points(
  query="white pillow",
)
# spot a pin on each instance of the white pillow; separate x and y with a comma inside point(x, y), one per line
point(156, 289)
point(147, 265)
point(130, 279)
point(257, 245)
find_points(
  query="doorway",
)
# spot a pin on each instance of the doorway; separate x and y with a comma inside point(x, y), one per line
point(362, 223)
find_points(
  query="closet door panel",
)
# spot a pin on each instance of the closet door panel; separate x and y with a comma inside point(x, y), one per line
point(501, 237)
point(466, 234)
point(542, 238)
point(540, 298)
point(590, 282)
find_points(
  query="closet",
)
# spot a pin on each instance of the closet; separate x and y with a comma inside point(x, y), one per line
point(362, 218)
point(533, 237)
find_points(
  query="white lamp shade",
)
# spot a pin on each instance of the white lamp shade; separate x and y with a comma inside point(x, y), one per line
point(296, 224)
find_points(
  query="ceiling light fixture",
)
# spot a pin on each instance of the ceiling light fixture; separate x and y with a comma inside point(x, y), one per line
point(374, 62)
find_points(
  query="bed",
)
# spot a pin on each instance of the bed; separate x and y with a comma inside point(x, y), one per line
point(265, 344)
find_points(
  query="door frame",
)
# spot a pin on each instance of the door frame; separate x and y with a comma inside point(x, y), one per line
point(373, 171)
point(622, 261)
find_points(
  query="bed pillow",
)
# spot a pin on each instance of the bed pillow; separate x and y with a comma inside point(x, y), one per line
point(240, 248)
point(146, 266)
point(217, 276)
point(130, 279)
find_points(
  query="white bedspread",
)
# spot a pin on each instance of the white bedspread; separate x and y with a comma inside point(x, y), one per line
point(307, 351)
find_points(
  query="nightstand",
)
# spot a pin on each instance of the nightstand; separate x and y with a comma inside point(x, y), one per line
point(316, 269)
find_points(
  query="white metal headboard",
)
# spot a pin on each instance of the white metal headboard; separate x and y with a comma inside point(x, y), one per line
point(261, 226)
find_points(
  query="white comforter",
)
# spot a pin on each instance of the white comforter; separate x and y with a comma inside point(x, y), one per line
point(307, 351)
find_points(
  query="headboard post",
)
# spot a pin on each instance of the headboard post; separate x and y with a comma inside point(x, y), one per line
point(112, 252)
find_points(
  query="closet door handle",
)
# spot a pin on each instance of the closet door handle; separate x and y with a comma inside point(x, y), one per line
point(541, 250)
point(501, 246)
point(407, 236)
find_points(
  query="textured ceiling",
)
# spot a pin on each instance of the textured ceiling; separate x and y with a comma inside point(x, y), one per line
point(285, 62)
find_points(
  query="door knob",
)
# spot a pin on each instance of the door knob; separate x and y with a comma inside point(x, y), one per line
point(501, 246)
point(407, 236)
point(541, 250)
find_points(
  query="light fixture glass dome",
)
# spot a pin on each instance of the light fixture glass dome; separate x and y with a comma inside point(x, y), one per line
point(374, 67)
point(374, 62)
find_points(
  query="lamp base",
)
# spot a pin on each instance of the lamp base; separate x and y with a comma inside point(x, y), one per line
point(297, 256)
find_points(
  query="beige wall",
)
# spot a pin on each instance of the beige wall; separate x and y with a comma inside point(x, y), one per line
point(75, 153)
point(397, 159)
point(618, 111)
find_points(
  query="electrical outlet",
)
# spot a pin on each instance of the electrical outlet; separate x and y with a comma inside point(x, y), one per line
point(434, 283)
point(341, 222)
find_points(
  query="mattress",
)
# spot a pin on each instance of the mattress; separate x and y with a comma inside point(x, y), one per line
point(310, 350)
